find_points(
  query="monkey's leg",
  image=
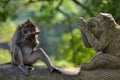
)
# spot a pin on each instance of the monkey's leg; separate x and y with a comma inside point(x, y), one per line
point(18, 60)
point(102, 61)
point(39, 54)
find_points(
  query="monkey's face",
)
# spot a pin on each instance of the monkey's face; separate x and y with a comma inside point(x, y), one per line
point(29, 28)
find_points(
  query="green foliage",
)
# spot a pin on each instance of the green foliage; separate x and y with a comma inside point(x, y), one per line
point(8, 8)
point(76, 52)
point(61, 62)
point(104, 6)
point(6, 31)
point(4, 56)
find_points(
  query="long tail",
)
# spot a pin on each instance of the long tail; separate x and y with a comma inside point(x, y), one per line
point(7, 63)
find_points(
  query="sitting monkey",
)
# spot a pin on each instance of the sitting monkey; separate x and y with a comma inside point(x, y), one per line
point(103, 34)
point(23, 48)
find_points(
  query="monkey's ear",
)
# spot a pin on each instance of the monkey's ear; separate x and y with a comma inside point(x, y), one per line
point(19, 26)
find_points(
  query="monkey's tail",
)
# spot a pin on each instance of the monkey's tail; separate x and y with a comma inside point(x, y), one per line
point(7, 63)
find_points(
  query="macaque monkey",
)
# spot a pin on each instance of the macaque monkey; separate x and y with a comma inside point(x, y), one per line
point(23, 48)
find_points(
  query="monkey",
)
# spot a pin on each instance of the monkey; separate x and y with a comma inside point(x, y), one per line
point(23, 48)
point(102, 34)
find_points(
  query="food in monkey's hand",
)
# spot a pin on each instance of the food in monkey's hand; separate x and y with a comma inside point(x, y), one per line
point(32, 35)
point(35, 33)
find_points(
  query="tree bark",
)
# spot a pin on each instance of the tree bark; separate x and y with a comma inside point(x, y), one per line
point(7, 72)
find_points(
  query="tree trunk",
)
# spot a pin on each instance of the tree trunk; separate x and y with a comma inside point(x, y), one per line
point(7, 72)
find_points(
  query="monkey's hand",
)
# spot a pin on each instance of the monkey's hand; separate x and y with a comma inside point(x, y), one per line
point(31, 35)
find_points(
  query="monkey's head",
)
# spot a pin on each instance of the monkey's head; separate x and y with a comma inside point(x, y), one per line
point(28, 27)
point(102, 23)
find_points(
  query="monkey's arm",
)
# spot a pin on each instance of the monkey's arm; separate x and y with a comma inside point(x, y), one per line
point(23, 39)
point(85, 40)
point(18, 59)
point(17, 55)
point(94, 42)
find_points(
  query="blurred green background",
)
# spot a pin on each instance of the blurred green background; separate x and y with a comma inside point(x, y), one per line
point(60, 36)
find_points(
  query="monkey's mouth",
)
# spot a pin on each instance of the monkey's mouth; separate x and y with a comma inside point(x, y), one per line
point(34, 33)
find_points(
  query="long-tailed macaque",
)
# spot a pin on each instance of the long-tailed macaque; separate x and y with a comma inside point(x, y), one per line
point(23, 48)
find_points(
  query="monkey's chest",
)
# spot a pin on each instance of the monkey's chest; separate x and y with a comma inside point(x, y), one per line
point(26, 51)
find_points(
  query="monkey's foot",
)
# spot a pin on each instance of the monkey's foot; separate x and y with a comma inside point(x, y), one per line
point(86, 66)
point(55, 69)
point(24, 70)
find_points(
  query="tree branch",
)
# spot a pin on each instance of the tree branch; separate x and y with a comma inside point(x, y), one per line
point(9, 72)
point(65, 14)
point(70, 28)
point(83, 6)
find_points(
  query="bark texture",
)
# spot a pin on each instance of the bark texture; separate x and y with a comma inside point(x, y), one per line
point(7, 72)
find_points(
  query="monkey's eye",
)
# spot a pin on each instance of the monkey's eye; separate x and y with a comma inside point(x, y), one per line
point(27, 26)
point(31, 25)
